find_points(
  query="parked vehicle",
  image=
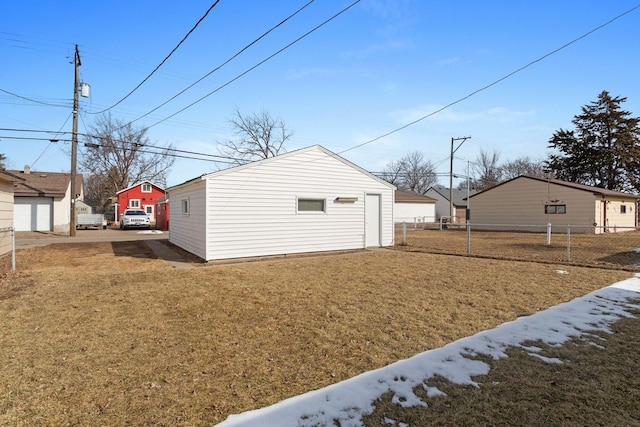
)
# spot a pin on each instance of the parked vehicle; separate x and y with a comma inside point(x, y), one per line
point(91, 220)
point(134, 218)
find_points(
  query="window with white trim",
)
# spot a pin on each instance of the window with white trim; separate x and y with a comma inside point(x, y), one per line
point(149, 209)
point(134, 203)
point(311, 205)
point(146, 188)
point(184, 204)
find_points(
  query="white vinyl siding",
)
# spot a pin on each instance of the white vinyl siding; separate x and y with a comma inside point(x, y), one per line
point(252, 210)
point(414, 212)
point(6, 216)
point(189, 231)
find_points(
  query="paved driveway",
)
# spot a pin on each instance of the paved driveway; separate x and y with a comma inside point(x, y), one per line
point(30, 239)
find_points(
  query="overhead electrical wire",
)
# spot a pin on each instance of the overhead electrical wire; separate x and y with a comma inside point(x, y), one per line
point(32, 100)
point(212, 157)
point(535, 61)
point(164, 60)
point(253, 67)
point(225, 62)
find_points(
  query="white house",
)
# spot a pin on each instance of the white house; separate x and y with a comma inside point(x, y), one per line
point(443, 206)
point(411, 207)
point(306, 200)
point(42, 200)
point(526, 200)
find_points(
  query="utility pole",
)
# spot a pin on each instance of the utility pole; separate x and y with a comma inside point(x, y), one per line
point(453, 140)
point(74, 144)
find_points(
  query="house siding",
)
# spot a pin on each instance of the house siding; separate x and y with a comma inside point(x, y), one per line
point(6, 216)
point(414, 212)
point(522, 202)
point(252, 210)
point(188, 231)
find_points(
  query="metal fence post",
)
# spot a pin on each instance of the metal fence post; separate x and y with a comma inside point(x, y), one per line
point(568, 242)
point(404, 233)
point(549, 234)
point(468, 237)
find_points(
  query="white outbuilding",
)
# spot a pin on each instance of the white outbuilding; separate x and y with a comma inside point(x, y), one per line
point(308, 200)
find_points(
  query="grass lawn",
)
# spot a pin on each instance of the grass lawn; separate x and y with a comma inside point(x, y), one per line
point(104, 334)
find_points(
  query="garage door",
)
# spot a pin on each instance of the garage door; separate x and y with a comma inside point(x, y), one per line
point(32, 213)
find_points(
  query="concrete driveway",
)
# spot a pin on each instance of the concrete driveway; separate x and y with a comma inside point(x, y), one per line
point(30, 239)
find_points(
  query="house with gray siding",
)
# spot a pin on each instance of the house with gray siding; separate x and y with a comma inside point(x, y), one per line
point(308, 200)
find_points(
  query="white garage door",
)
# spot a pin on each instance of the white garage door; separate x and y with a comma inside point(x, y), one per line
point(32, 213)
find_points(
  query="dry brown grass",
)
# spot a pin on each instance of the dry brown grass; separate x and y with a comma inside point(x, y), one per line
point(105, 334)
point(611, 250)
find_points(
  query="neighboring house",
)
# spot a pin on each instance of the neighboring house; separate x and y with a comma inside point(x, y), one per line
point(82, 208)
point(527, 200)
point(6, 211)
point(42, 200)
point(162, 213)
point(308, 200)
point(143, 195)
point(413, 207)
point(441, 195)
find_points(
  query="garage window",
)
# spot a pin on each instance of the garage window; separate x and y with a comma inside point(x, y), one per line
point(184, 204)
point(146, 188)
point(311, 205)
point(134, 203)
point(555, 209)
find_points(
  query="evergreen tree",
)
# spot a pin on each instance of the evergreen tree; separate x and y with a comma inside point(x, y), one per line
point(603, 150)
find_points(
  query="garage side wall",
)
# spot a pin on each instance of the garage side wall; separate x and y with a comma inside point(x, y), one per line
point(187, 229)
point(418, 212)
point(253, 210)
point(6, 216)
point(522, 202)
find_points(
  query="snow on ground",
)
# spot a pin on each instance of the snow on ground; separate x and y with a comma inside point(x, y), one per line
point(349, 400)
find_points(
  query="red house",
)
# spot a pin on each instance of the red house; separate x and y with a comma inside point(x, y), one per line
point(143, 195)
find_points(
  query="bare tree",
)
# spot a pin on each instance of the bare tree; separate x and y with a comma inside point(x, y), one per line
point(523, 166)
point(487, 170)
point(393, 173)
point(116, 155)
point(412, 172)
point(257, 136)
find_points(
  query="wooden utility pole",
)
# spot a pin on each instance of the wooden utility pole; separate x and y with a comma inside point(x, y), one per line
point(74, 144)
point(463, 139)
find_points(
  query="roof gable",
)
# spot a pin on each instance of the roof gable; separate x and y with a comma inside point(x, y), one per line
point(139, 184)
point(459, 196)
point(293, 153)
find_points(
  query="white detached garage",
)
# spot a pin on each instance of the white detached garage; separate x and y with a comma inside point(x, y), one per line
point(307, 200)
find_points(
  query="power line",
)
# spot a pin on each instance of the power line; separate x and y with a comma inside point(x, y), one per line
point(588, 33)
point(224, 63)
point(164, 60)
point(254, 67)
point(31, 99)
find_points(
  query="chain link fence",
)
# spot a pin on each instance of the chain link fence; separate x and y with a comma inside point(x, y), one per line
point(617, 247)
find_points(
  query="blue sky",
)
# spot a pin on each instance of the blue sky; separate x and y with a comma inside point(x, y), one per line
point(378, 66)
